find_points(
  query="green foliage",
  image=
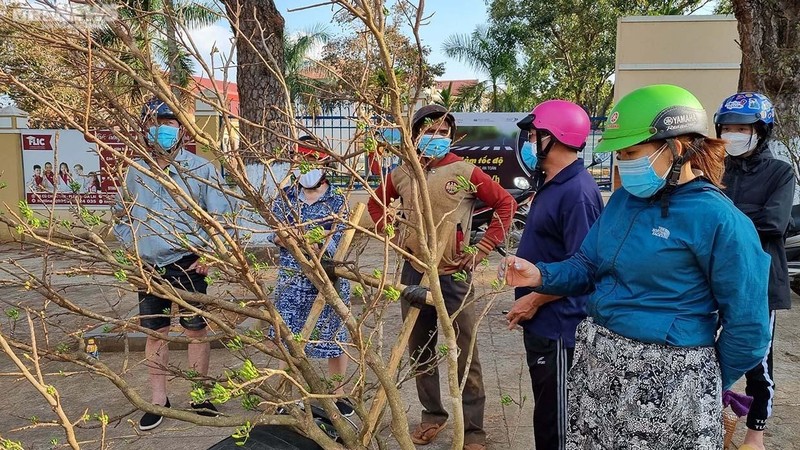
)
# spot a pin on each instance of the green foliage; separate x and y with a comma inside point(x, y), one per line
point(250, 402)
point(220, 394)
point(8, 444)
point(242, 434)
point(723, 7)
point(484, 52)
point(315, 235)
point(102, 417)
point(569, 46)
point(391, 294)
point(235, 344)
point(460, 276)
point(248, 371)
point(254, 333)
point(89, 218)
point(62, 348)
point(121, 257)
point(198, 395)
point(463, 184)
point(12, 313)
point(355, 55)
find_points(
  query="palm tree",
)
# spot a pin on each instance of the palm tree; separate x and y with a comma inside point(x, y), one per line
point(484, 53)
point(296, 50)
point(154, 26)
point(446, 97)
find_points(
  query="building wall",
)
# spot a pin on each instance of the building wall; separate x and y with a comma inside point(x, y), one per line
point(698, 53)
point(10, 176)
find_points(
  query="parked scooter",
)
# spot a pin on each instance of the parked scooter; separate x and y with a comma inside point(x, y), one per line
point(482, 216)
point(792, 247)
point(523, 195)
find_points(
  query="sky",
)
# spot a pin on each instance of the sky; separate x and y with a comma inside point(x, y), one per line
point(449, 17)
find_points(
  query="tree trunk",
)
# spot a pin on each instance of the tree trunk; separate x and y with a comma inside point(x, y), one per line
point(172, 50)
point(769, 32)
point(262, 99)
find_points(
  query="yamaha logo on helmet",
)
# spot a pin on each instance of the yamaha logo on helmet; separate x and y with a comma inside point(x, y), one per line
point(676, 119)
point(679, 121)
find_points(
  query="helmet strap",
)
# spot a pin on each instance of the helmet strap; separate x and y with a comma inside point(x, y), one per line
point(674, 175)
point(541, 154)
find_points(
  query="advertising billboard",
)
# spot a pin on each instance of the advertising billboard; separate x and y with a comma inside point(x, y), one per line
point(492, 141)
point(62, 166)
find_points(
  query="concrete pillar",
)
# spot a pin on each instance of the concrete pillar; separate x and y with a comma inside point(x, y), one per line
point(12, 122)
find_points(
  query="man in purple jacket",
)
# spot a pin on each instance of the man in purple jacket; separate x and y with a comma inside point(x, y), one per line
point(565, 206)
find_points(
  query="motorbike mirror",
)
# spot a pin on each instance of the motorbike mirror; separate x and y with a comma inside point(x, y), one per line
point(522, 183)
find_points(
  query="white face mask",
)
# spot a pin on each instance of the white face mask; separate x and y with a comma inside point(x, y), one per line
point(309, 179)
point(739, 143)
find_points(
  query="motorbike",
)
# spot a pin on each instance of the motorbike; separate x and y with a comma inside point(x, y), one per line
point(482, 216)
point(792, 247)
point(523, 195)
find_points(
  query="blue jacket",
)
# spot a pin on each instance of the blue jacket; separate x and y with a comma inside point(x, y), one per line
point(674, 280)
point(560, 217)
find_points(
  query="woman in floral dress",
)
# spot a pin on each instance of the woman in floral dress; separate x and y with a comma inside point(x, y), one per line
point(309, 203)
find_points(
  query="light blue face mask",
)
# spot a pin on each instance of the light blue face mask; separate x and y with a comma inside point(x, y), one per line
point(528, 153)
point(638, 176)
point(164, 136)
point(434, 146)
point(391, 136)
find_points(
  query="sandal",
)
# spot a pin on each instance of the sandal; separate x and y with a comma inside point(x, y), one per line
point(426, 432)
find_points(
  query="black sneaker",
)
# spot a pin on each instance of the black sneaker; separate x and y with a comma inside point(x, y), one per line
point(345, 407)
point(150, 420)
point(205, 409)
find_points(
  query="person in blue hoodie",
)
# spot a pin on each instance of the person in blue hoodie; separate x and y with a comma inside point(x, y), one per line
point(762, 187)
point(669, 261)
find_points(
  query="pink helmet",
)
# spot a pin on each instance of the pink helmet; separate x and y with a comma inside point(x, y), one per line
point(567, 122)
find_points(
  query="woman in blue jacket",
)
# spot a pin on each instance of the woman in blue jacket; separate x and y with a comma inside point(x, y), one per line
point(762, 187)
point(669, 260)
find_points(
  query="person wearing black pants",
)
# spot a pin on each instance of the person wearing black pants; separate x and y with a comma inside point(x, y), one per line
point(762, 187)
point(566, 205)
point(761, 387)
point(548, 363)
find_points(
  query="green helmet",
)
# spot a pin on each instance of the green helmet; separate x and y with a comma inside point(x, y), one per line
point(652, 113)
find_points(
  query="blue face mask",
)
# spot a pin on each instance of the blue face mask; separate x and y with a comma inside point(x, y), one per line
point(391, 136)
point(434, 146)
point(638, 176)
point(528, 153)
point(164, 135)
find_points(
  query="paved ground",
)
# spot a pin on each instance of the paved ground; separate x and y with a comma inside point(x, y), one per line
point(502, 354)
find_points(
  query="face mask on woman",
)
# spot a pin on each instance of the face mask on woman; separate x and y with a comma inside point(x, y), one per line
point(165, 136)
point(739, 143)
point(638, 176)
point(433, 146)
point(310, 179)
